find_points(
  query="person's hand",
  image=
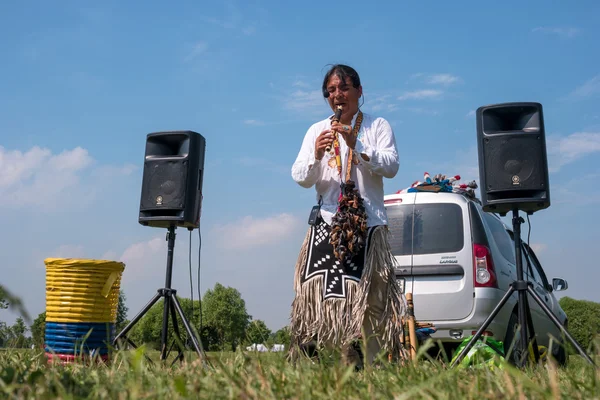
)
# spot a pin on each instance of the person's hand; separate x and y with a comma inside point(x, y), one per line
point(346, 132)
point(324, 139)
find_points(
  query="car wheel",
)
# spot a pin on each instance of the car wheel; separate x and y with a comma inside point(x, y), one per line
point(561, 355)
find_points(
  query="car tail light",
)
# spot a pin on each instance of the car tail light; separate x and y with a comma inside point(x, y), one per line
point(485, 275)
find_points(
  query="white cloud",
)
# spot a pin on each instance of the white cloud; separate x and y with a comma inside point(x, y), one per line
point(198, 49)
point(145, 268)
point(563, 32)
point(300, 83)
point(16, 166)
point(68, 251)
point(568, 192)
point(442, 79)
point(37, 177)
point(230, 21)
point(108, 171)
point(538, 248)
point(145, 262)
point(48, 181)
point(139, 255)
point(421, 94)
point(304, 101)
point(565, 150)
point(380, 102)
point(250, 231)
point(588, 89)
point(234, 20)
point(254, 122)
point(470, 114)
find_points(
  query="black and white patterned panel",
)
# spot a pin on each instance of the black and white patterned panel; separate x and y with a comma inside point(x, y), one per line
point(321, 234)
point(351, 266)
point(333, 278)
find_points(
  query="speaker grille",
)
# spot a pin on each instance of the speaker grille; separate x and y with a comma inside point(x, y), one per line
point(514, 163)
point(164, 184)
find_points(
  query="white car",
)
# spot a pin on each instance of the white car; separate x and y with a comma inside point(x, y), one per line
point(438, 240)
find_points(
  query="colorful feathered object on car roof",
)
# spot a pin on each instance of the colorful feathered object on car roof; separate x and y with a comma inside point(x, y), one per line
point(441, 183)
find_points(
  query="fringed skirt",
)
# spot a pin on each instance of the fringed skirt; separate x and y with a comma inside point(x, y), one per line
point(333, 300)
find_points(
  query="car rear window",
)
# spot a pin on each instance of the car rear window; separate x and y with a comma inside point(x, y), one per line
point(400, 226)
point(501, 237)
point(425, 228)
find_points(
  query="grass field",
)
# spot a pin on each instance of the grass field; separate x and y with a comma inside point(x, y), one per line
point(25, 374)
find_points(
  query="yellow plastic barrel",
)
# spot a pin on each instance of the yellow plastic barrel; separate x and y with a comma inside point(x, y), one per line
point(82, 290)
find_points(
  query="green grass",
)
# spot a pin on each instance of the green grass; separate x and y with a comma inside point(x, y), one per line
point(25, 374)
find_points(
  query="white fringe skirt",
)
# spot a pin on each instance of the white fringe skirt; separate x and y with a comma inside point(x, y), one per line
point(335, 301)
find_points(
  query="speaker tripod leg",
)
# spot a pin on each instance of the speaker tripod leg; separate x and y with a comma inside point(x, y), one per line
point(135, 320)
point(197, 343)
point(556, 322)
point(521, 285)
point(532, 336)
point(176, 332)
point(520, 348)
point(165, 327)
point(167, 291)
point(523, 338)
point(527, 336)
point(130, 325)
point(484, 326)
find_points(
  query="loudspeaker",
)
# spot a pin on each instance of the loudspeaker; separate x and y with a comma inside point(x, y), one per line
point(172, 179)
point(513, 165)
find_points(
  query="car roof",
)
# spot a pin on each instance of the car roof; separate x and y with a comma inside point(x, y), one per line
point(460, 197)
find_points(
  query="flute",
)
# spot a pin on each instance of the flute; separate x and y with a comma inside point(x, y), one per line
point(336, 143)
point(412, 333)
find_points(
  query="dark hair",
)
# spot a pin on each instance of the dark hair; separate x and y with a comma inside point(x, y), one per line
point(341, 71)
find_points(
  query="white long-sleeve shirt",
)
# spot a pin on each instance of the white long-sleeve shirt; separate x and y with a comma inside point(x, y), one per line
point(376, 140)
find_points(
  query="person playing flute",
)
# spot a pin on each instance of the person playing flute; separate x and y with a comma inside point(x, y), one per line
point(345, 286)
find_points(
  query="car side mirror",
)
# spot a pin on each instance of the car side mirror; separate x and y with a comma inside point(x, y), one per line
point(559, 284)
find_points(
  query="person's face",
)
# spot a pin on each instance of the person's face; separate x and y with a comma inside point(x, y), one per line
point(344, 94)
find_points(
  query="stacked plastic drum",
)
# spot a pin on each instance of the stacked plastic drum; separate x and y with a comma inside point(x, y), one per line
point(82, 298)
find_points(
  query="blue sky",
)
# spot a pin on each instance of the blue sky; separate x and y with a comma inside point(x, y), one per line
point(81, 86)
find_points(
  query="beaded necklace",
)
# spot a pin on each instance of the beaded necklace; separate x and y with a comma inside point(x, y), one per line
point(349, 224)
point(355, 130)
point(335, 150)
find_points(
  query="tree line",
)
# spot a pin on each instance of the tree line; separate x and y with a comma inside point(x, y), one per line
point(224, 323)
point(220, 319)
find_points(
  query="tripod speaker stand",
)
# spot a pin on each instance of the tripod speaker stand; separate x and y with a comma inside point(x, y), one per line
point(172, 307)
point(513, 172)
point(171, 197)
point(522, 287)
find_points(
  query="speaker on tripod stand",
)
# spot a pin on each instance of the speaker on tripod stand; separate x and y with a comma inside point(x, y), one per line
point(171, 197)
point(513, 175)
